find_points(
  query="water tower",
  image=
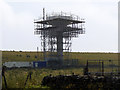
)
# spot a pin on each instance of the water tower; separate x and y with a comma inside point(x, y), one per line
point(56, 31)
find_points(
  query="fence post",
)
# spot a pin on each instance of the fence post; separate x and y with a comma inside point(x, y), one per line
point(28, 76)
point(102, 68)
point(3, 74)
point(86, 69)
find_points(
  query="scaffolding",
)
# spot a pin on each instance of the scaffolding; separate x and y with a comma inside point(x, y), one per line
point(56, 31)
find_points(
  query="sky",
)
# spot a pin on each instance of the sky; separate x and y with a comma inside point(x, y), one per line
point(101, 17)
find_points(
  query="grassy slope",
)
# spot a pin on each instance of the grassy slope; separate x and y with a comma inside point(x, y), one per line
point(15, 56)
point(82, 57)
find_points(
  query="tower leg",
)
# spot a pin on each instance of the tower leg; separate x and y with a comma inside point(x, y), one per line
point(60, 48)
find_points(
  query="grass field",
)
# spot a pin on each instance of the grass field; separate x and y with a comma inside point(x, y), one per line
point(82, 57)
point(16, 77)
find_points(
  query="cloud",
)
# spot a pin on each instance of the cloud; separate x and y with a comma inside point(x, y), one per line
point(6, 14)
point(101, 23)
point(17, 28)
point(62, 1)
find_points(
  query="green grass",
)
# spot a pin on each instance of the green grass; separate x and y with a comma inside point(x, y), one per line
point(15, 56)
point(82, 57)
point(16, 77)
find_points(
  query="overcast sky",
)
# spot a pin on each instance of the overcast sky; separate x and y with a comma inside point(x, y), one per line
point(101, 16)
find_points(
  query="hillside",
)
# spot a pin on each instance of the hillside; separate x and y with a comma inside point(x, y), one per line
point(34, 56)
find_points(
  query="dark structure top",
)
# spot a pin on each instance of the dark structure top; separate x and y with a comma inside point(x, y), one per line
point(56, 31)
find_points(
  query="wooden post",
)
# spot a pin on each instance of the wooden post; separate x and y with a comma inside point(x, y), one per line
point(28, 76)
point(102, 68)
point(3, 74)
